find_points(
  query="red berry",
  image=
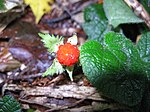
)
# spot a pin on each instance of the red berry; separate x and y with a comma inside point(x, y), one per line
point(68, 54)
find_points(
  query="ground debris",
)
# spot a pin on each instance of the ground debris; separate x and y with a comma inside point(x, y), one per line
point(70, 97)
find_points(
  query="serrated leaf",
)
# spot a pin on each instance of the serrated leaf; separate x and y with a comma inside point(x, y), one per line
point(118, 13)
point(144, 48)
point(55, 68)
point(9, 104)
point(51, 42)
point(96, 23)
point(39, 7)
point(115, 68)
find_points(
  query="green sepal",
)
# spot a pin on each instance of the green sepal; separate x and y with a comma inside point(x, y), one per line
point(69, 70)
point(55, 68)
point(51, 42)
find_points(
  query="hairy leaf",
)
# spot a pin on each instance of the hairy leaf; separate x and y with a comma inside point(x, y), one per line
point(144, 50)
point(9, 104)
point(116, 68)
point(144, 46)
point(119, 13)
point(96, 22)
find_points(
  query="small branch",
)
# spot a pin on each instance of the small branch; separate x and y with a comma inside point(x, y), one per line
point(12, 77)
point(139, 10)
point(70, 106)
point(34, 103)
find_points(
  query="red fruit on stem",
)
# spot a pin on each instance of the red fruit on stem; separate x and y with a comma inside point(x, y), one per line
point(68, 54)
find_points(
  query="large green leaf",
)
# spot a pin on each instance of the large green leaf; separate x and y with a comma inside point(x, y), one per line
point(96, 23)
point(116, 68)
point(9, 104)
point(118, 12)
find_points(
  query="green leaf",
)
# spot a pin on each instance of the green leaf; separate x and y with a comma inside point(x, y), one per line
point(9, 104)
point(55, 68)
point(146, 5)
point(95, 30)
point(119, 13)
point(144, 49)
point(51, 42)
point(96, 23)
point(31, 110)
point(115, 68)
point(95, 12)
point(2, 4)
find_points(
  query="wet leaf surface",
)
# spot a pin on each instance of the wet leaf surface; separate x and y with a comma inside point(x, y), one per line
point(28, 49)
point(19, 28)
point(26, 46)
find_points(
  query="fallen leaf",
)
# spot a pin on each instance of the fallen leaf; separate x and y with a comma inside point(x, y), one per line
point(39, 7)
point(28, 49)
point(7, 62)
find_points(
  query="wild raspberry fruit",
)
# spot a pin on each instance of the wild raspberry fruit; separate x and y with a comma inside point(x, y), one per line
point(68, 54)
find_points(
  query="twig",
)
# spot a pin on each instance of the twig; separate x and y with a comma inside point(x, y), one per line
point(64, 16)
point(70, 106)
point(70, 14)
point(139, 10)
point(34, 103)
point(12, 77)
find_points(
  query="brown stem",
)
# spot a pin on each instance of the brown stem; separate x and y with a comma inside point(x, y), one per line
point(139, 10)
